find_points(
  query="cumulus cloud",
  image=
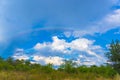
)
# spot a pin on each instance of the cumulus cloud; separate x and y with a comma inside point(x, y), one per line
point(46, 60)
point(80, 44)
point(82, 50)
point(19, 54)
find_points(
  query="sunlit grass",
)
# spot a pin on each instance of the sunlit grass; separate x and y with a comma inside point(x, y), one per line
point(17, 75)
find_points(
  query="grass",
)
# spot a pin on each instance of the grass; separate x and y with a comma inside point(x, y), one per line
point(17, 75)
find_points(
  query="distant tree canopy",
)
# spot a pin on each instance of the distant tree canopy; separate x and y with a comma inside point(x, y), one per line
point(114, 55)
point(68, 67)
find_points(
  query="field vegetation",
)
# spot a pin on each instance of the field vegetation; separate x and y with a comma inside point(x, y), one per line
point(23, 70)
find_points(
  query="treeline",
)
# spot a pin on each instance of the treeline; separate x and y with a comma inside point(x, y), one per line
point(69, 67)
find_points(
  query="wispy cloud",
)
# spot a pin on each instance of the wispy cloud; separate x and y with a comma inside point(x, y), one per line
point(110, 21)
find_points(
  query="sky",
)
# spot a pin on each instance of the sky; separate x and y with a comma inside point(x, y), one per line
point(50, 31)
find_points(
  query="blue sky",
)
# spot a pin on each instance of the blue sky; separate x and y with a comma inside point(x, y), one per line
point(48, 31)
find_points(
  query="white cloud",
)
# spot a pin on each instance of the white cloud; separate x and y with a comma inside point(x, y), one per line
point(39, 46)
point(83, 60)
point(53, 52)
point(19, 54)
point(52, 60)
point(57, 45)
point(60, 45)
point(81, 44)
point(22, 57)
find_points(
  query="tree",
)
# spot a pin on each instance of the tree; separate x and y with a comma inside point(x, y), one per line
point(48, 68)
point(114, 55)
point(68, 66)
point(10, 60)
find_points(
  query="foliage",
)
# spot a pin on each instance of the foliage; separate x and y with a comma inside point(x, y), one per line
point(24, 70)
point(68, 66)
point(114, 55)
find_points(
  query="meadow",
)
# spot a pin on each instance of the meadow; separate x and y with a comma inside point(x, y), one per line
point(23, 70)
point(17, 75)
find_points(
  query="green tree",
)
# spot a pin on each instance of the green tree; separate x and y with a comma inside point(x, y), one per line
point(68, 66)
point(48, 68)
point(114, 55)
point(10, 60)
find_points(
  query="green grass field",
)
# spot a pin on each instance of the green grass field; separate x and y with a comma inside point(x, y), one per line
point(18, 75)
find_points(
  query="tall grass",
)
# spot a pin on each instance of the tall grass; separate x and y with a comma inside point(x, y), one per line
point(18, 75)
